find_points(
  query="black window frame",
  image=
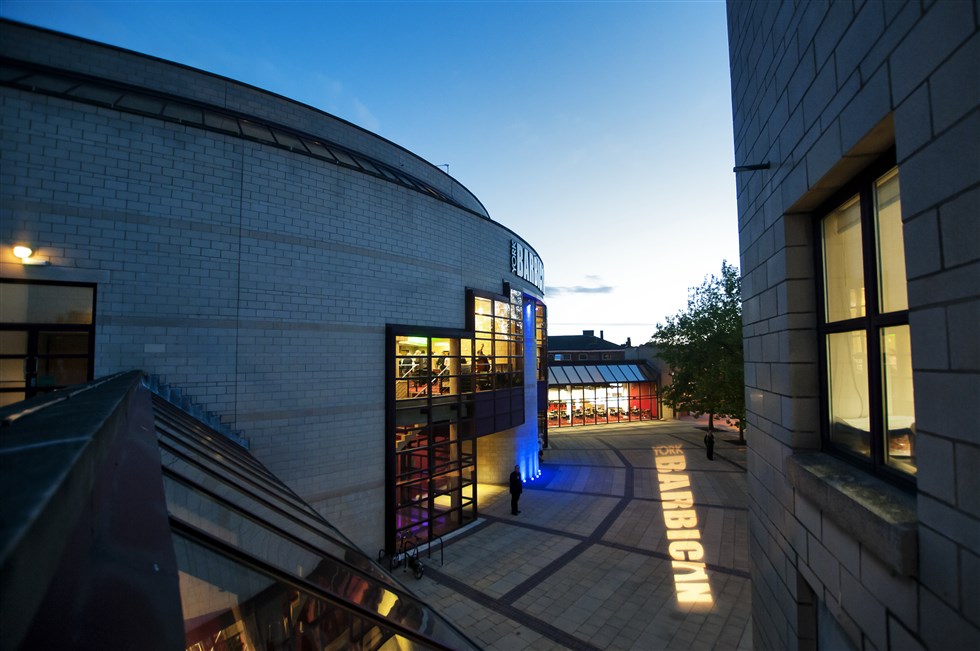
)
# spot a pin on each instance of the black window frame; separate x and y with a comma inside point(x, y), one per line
point(516, 375)
point(495, 407)
point(872, 323)
point(34, 328)
point(461, 403)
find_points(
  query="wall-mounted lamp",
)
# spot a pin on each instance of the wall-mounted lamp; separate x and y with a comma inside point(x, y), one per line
point(751, 168)
point(26, 255)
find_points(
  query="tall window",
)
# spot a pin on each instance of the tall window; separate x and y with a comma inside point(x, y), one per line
point(447, 388)
point(865, 344)
point(541, 339)
point(434, 454)
point(499, 343)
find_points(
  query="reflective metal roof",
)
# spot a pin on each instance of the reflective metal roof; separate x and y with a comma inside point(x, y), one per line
point(573, 374)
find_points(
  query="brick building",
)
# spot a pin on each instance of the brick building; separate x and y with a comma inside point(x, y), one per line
point(857, 149)
point(344, 307)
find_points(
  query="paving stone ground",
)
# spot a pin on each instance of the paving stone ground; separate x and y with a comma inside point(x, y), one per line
point(586, 565)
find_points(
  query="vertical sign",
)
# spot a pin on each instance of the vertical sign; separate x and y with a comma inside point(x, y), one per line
point(525, 264)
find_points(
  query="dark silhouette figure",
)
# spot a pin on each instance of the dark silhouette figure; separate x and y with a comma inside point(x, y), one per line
point(482, 362)
point(516, 488)
point(709, 443)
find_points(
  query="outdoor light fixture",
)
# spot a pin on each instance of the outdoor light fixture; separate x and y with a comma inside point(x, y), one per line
point(751, 168)
point(24, 253)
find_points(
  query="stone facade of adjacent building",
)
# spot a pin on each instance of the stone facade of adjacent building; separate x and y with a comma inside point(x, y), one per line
point(845, 552)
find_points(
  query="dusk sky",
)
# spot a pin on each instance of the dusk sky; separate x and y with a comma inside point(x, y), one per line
point(600, 132)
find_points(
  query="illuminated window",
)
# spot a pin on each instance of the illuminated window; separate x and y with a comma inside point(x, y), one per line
point(47, 337)
point(865, 343)
point(447, 388)
point(596, 395)
point(541, 340)
point(498, 346)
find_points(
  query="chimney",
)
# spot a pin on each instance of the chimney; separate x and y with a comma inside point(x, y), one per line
point(588, 333)
point(602, 334)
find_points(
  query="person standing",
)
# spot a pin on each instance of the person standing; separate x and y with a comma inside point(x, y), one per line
point(709, 444)
point(516, 488)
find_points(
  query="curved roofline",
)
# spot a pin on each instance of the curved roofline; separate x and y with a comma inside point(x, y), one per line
point(424, 162)
point(246, 85)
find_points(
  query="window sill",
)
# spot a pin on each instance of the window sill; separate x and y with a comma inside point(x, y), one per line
point(880, 516)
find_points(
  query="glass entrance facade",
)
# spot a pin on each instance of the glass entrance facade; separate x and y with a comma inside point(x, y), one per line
point(434, 435)
point(594, 400)
point(449, 388)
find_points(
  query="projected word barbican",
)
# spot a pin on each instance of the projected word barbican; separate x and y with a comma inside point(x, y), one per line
point(686, 553)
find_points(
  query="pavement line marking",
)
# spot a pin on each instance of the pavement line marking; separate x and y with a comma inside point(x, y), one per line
point(510, 612)
point(600, 530)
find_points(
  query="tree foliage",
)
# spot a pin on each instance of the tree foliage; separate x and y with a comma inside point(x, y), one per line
point(703, 347)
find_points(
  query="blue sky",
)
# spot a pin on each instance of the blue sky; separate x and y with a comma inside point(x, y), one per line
point(598, 131)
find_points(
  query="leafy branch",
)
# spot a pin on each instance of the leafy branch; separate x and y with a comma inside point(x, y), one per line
point(703, 347)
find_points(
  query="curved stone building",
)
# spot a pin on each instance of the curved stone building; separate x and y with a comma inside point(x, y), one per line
point(345, 308)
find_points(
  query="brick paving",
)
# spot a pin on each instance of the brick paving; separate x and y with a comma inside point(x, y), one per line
point(586, 565)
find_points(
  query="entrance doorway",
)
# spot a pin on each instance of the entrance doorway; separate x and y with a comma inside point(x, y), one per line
point(47, 337)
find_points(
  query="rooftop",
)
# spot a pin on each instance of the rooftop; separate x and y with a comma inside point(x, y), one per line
point(585, 341)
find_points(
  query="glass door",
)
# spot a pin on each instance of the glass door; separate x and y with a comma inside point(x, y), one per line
point(47, 338)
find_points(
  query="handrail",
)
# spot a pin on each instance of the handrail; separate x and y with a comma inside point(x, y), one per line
point(442, 557)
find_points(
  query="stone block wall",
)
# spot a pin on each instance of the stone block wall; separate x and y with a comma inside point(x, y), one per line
point(106, 62)
point(820, 90)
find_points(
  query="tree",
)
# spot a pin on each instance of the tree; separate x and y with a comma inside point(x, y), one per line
point(703, 347)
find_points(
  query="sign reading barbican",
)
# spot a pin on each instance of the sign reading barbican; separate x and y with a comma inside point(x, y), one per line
point(526, 264)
